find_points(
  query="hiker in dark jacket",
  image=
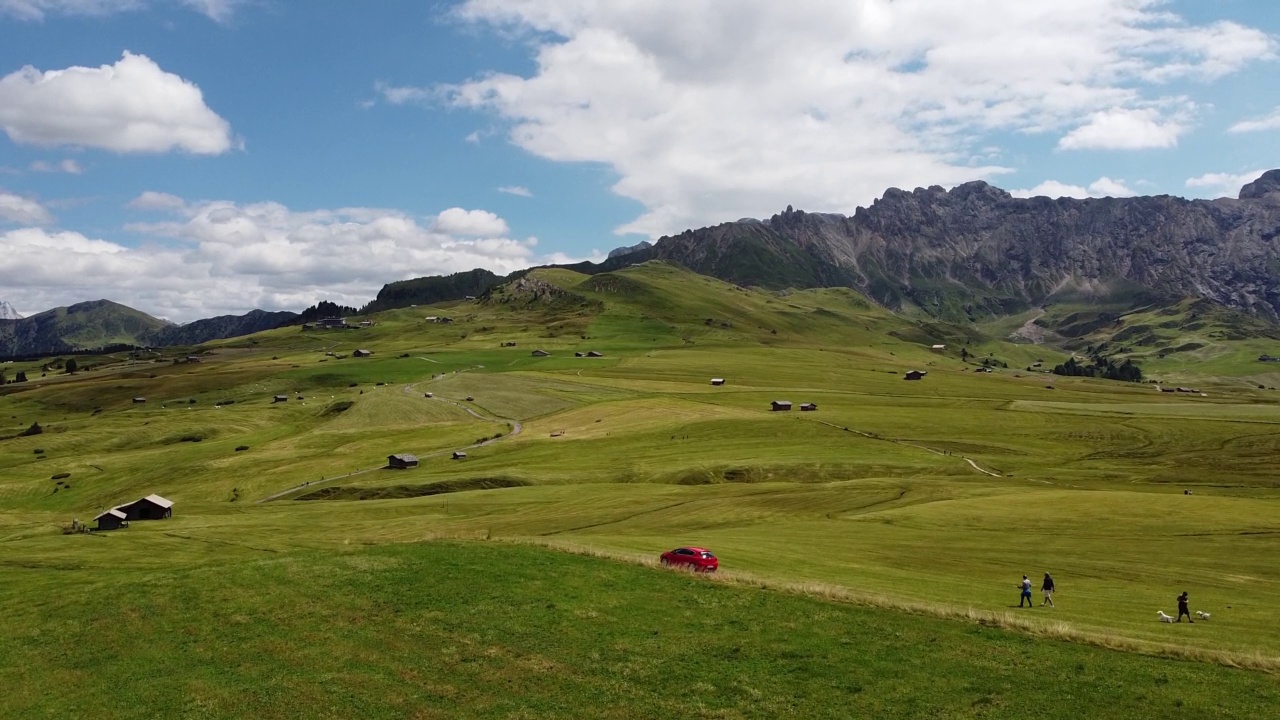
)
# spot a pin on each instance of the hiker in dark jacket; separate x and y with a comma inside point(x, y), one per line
point(1182, 607)
point(1047, 588)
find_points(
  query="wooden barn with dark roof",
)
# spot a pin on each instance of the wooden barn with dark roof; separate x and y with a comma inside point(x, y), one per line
point(151, 507)
point(402, 461)
point(113, 519)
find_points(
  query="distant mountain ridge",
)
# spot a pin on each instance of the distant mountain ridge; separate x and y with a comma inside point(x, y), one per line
point(976, 251)
point(103, 323)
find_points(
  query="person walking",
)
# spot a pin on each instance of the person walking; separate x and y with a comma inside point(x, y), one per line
point(1047, 588)
point(1026, 593)
point(1182, 607)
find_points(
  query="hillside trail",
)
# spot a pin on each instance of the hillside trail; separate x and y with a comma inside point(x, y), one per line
point(516, 428)
point(869, 436)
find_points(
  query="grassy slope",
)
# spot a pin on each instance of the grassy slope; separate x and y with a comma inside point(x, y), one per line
point(648, 455)
point(447, 630)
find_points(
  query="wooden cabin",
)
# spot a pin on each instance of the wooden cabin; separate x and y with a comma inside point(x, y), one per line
point(402, 461)
point(113, 519)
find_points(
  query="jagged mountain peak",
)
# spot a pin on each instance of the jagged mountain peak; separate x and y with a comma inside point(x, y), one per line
point(1267, 184)
point(8, 312)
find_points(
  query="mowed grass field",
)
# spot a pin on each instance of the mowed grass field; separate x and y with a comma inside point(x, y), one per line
point(906, 510)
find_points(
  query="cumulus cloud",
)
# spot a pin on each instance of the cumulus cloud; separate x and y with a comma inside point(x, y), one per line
point(518, 190)
point(22, 211)
point(1216, 185)
point(1102, 187)
point(69, 166)
point(36, 10)
point(151, 200)
point(1124, 129)
point(131, 106)
point(402, 95)
point(1270, 122)
point(209, 258)
point(708, 114)
point(456, 221)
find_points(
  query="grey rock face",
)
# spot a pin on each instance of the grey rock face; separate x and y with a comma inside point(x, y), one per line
point(976, 250)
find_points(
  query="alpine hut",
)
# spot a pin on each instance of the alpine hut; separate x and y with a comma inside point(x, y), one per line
point(112, 519)
point(402, 461)
point(151, 507)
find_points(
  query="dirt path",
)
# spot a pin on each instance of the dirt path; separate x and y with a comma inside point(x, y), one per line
point(516, 428)
point(869, 436)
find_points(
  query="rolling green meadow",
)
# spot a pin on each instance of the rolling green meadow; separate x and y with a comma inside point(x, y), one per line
point(870, 550)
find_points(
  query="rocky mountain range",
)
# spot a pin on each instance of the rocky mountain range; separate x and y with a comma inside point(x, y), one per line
point(962, 255)
point(7, 311)
point(976, 251)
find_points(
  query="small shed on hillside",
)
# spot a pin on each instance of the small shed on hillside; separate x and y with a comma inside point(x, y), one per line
point(362, 353)
point(459, 455)
point(915, 375)
point(938, 347)
point(540, 353)
point(983, 370)
point(139, 400)
point(780, 406)
point(112, 519)
point(402, 461)
point(193, 358)
point(717, 381)
point(593, 353)
point(579, 354)
point(280, 398)
point(151, 507)
point(808, 407)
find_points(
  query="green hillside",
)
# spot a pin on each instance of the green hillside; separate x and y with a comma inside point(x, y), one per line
point(869, 548)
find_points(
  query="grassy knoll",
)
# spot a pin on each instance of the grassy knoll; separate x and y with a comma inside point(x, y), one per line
point(453, 630)
point(935, 496)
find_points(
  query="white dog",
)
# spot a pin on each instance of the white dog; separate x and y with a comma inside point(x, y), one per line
point(1163, 617)
point(1203, 615)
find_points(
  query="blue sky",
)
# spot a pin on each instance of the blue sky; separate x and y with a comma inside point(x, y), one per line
point(196, 157)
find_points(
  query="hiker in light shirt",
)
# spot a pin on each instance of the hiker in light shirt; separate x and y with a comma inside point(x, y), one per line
point(1026, 593)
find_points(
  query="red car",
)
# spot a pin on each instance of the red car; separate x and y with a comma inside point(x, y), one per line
point(693, 558)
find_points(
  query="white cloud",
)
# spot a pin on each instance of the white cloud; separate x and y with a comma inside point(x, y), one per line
point(518, 190)
point(131, 106)
point(1216, 185)
point(1106, 187)
point(219, 11)
point(1124, 129)
point(22, 211)
point(1270, 122)
point(68, 165)
point(402, 95)
point(472, 223)
point(706, 113)
point(35, 10)
point(1102, 187)
point(221, 257)
point(151, 200)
